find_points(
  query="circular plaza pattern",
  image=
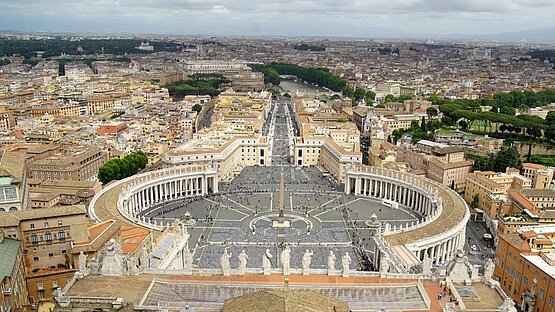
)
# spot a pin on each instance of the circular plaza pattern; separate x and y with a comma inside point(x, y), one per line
point(416, 218)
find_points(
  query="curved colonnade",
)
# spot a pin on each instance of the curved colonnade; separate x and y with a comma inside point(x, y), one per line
point(123, 200)
point(442, 231)
point(439, 234)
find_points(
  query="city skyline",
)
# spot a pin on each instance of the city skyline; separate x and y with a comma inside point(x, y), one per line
point(394, 19)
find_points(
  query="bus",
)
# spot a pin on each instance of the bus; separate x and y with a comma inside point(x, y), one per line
point(390, 203)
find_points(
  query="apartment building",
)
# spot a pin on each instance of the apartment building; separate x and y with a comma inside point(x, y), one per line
point(441, 162)
point(13, 289)
point(69, 165)
point(540, 175)
point(7, 120)
point(525, 267)
point(491, 189)
point(13, 181)
point(47, 236)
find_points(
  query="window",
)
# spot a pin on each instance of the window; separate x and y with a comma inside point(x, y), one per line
point(7, 193)
point(34, 238)
point(35, 258)
point(59, 222)
point(517, 276)
point(541, 294)
point(545, 279)
point(46, 224)
point(550, 301)
point(64, 251)
point(54, 284)
point(48, 236)
point(524, 280)
point(50, 255)
point(61, 235)
point(32, 225)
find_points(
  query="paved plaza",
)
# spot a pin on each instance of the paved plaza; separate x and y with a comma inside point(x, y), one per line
point(322, 217)
point(240, 217)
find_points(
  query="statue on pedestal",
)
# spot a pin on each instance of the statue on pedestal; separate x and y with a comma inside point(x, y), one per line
point(384, 265)
point(488, 270)
point(307, 259)
point(112, 262)
point(346, 262)
point(224, 262)
point(143, 258)
point(243, 258)
point(188, 261)
point(285, 258)
point(82, 263)
point(426, 265)
point(266, 262)
point(331, 263)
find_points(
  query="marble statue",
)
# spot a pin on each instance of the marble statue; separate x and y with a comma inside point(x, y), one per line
point(346, 262)
point(285, 258)
point(307, 259)
point(488, 270)
point(384, 265)
point(132, 268)
point(266, 262)
point(188, 261)
point(82, 263)
point(331, 263)
point(94, 266)
point(243, 258)
point(112, 262)
point(426, 265)
point(143, 258)
point(224, 262)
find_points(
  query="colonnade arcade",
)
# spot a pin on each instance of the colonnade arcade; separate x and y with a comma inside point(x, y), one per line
point(420, 195)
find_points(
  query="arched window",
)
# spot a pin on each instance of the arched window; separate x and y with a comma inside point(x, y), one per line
point(13, 208)
point(48, 236)
point(34, 238)
point(2, 209)
point(61, 234)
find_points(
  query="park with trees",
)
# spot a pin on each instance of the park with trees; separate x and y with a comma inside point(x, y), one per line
point(197, 84)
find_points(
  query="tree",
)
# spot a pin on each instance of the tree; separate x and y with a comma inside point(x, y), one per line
point(447, 121)
point(388, 98)
point(435, 99)
point(197, 108)
point(550, 118)
point(507, 110)
point(463, 124)
point(423, 124)
point(117, 169)
point(507, 157)
point(432, 112)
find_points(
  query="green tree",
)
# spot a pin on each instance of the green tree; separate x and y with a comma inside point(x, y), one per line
point(271, 76)
point(197, 108)
point(432, 112)
point(117, 169)
point(423, 124)
point(389, 98)
point(435, 99)
point(507, 110)
point(507, 157)
point(550, 118)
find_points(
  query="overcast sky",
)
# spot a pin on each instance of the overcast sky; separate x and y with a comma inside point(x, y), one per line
point(278, 17)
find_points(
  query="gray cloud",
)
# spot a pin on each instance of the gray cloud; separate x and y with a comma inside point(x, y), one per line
point(290, 16)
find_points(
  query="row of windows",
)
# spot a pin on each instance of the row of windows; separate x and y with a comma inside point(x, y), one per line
point(47, 236)
point(46, 225)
